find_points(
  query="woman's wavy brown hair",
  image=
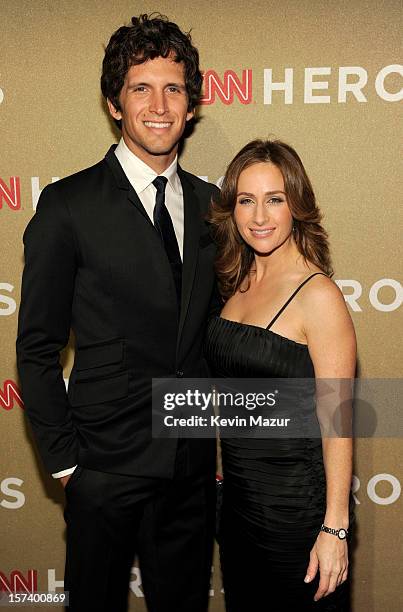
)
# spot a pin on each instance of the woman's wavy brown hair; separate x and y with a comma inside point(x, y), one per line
point(235, 257)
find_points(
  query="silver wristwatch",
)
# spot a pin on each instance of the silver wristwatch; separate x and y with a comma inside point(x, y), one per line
point(340, 533)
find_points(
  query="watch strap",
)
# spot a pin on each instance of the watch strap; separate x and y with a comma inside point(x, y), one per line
point(341, 533)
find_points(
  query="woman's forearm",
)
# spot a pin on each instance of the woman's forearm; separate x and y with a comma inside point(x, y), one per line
point(337, 459)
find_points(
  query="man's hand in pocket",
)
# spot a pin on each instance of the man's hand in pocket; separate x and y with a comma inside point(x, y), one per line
point(64, 480)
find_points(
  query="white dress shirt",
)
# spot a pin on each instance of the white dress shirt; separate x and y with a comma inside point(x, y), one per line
point(141, 178)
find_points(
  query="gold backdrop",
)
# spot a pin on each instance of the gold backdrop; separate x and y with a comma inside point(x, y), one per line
point(323, 76)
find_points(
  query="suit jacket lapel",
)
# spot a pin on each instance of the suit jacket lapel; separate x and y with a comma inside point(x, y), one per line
point(123, 182)
point(192, 227)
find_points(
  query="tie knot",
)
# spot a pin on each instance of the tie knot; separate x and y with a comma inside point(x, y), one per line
point(160, 183)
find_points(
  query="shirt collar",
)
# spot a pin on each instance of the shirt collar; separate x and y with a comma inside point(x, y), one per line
point(140, 175)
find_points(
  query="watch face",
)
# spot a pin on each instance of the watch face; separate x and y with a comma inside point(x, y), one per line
point(342, 534)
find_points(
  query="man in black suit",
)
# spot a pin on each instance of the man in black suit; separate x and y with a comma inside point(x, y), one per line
point(120, 253)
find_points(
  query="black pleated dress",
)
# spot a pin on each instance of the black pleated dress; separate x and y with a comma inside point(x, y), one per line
point(274, 493)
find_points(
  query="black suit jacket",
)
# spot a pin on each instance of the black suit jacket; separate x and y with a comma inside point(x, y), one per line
point(94, 263)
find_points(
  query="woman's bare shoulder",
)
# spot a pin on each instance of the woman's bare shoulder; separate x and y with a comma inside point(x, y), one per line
point(320, 289)
point(323, 305)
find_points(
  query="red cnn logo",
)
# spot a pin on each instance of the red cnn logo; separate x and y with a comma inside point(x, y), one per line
point(18, 583)
point(9, 395)
point(11, 195)
point(226, 89)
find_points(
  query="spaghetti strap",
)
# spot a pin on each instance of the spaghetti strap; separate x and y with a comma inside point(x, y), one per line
point(292, 297)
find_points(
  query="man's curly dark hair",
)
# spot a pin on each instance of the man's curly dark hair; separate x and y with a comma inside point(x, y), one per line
point(145, 39)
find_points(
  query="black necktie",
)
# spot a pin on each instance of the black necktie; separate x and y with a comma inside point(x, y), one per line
point(164, 225)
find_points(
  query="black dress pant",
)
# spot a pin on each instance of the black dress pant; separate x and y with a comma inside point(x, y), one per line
point(168, 524)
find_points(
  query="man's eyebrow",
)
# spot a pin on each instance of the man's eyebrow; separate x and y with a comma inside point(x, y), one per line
point(178, 85)
point(137, 83)
point(145, 84)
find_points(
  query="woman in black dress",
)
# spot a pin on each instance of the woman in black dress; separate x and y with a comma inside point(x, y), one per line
point(287, 507)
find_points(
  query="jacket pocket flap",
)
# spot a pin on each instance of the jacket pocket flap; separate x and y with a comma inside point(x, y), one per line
point(98, 355)
point(84, 393)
